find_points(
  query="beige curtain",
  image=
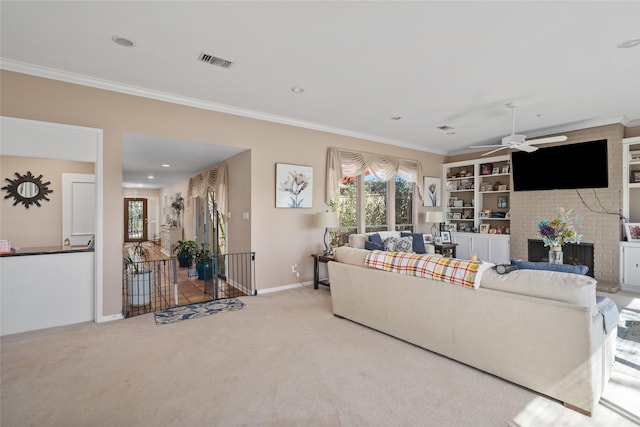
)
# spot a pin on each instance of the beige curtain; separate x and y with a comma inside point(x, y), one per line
point(341, 163)
point(214, 179)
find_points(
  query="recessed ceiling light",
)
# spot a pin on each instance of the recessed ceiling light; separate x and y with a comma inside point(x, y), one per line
point(166, 165)
point(150, 177)
point(123, 41)
point(632, 42)
point(396, 117)
point(297, 89)
point(445, 128)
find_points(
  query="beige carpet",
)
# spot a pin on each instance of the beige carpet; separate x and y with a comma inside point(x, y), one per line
point(284, 360)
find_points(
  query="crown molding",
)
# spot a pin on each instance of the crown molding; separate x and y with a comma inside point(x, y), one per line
point(80, 79)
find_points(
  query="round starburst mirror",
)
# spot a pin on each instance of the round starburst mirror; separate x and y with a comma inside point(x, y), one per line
point(27, 189)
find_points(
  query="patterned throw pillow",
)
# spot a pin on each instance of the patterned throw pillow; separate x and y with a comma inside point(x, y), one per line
point(390, 244)
point(418, 241)
point(405, 244)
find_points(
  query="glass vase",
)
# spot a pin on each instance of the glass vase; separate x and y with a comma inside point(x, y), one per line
point(555, 255)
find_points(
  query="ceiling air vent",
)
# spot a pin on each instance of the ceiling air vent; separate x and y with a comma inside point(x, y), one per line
point(210, 59)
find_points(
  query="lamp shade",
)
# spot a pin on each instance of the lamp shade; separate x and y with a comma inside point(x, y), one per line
point(326, 219)
point(434, 216)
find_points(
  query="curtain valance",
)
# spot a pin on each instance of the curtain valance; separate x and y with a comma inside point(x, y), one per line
point(341, 163)
point(214, 179)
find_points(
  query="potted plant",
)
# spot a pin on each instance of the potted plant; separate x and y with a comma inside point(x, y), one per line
point(184, 250)
point(204, 263)
point(178, 206)
point(139, 278)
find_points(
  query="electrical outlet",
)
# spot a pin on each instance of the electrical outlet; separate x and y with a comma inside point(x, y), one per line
point(294, 268)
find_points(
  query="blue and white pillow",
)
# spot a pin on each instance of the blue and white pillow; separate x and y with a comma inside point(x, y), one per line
point(405, 244)
point(390, 244)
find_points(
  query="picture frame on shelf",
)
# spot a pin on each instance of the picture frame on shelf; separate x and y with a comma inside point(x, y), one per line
point(446, 237)
point(457, 215)
point(507, 215)
point(484, 228)
point(632, 230)
point(432, 191)
point(503, 187)
point(451, 228)
point(485, 213)
point(458, 203)
point(294, 186)
point(500, 229)
point(464, 226)
point(495, 171)
point(451, 201)
point(452, 185)
point(505, 168)
point(449, 215)
point(635, 177)
point(467, 214)
point(486, 168)
point(486, 186)
point(503, 202)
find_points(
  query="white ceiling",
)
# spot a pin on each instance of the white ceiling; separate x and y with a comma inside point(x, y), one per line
point(433, 63)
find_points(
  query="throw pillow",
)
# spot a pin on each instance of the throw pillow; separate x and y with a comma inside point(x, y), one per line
point(405, 244)
point(563, 268)
point(375, 238)
point(372, 246)
point(418, 241)
point(390, 244)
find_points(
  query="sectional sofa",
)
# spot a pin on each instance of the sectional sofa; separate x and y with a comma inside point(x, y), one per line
point(543, 330)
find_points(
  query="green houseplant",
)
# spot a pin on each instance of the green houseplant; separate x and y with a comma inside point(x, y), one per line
point(204, 263)
point(184, 250)
point(139, 278)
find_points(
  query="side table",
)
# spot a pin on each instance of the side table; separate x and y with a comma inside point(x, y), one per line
point(317, 259)
point(446, 249)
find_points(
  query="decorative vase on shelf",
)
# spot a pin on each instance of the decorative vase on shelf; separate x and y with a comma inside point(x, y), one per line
point(555, 255)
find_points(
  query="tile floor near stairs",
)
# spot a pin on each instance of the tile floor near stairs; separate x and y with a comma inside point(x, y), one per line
point(190, 289)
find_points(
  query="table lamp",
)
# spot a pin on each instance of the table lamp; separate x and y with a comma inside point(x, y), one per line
point(326, 220)
point(435, 217)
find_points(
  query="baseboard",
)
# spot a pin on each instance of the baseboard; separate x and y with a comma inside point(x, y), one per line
point(110, 318)
point(283, 288)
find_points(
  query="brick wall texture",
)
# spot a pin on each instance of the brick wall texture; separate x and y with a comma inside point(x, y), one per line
point(597, 210)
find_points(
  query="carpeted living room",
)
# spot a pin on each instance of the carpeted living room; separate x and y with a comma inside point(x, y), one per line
point(434, 205)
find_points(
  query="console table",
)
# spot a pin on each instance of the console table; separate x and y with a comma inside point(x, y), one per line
point(317, 259)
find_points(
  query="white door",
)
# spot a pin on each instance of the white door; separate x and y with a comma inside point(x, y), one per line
point(153, 214)
point(78, 208)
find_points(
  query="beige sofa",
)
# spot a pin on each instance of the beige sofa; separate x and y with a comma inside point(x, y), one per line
point(540, 329)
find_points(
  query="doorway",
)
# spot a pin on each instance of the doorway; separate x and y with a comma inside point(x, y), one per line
point(135, 220)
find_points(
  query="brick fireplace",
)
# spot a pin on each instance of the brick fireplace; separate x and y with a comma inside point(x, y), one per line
point(574, 254)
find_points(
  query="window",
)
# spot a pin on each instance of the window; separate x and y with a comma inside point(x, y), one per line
point(404, 204)
point(375, 204)
point(364, 205)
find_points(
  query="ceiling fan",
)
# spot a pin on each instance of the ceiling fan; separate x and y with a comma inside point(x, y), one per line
point(519, 142)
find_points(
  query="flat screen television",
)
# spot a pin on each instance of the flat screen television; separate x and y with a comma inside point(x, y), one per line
point(562, 167)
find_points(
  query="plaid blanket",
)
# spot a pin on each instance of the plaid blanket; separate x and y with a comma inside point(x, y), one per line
point(450, 270)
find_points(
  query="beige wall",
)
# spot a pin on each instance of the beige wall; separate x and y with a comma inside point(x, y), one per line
point(280, 237)
point(36, 226)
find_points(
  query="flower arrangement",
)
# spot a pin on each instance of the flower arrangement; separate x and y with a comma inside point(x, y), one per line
point(558, 230)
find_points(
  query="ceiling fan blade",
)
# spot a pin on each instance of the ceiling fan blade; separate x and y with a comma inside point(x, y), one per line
point(493, 151)
point(525, 147)
point(486, 146)
point(549, 139)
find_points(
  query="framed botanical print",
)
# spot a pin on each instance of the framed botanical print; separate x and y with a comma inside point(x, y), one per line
point(294, 186)
point(432, 191)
